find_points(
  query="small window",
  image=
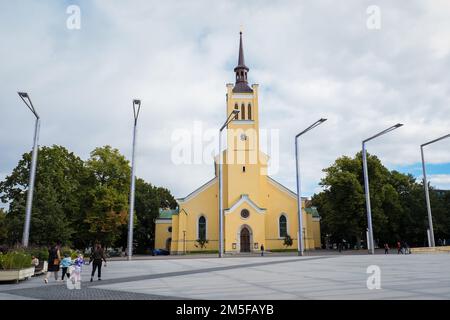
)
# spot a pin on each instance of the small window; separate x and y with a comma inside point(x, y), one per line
point(169, 229)
point(249, 111)
point(243, 112)
point(245, 213)
point(243, 169)
point(202, 228)
point(236, 107)
point(283, 226)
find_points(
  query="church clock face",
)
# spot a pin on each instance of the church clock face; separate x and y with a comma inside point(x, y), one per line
point(243, 137)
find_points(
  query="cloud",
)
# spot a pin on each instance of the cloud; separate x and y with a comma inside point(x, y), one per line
point(312, 59)
point(441, 181)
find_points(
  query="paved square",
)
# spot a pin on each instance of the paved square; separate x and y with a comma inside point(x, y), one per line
point(420, 276)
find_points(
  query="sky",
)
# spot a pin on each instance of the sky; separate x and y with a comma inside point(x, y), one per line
point(312, 59)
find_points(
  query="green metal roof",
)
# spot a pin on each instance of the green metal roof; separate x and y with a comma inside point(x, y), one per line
point(313, 211)
point(167, 213)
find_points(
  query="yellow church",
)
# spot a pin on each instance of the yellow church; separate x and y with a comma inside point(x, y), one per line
point(257, 210)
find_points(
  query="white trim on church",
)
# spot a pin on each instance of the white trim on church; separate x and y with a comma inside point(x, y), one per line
point(245, 198)
point(199, 190)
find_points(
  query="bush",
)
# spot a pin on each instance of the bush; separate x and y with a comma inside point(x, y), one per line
point(287, 241)
point(14, 260)
point(73, 254)
point(39, 252)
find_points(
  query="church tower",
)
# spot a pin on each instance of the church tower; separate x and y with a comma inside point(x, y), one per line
point(257, 211)
point(242, 164)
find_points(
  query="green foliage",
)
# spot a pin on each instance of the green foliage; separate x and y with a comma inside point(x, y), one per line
point(56, 196)
point(148, 200)
point(3, 226)
point(397, 201)
point(77, 203)
point(39, 252)
point(287, 241)
point(14, 260)
point(202, 242)
point(107, 199)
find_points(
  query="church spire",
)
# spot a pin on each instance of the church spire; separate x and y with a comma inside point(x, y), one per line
point(241, 85)
point(241, 52)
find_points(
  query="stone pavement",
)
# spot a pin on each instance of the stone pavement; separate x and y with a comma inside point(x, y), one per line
point(424, 276)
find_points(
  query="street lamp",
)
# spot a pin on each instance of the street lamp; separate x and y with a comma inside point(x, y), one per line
point(26, 228)
point(229, 119)
point(370, 243)
point(136, 110)
point(300, 240)
point(427, 195)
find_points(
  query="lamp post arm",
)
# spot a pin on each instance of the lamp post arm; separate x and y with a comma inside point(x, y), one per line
point(398, 125)
point(436, 140)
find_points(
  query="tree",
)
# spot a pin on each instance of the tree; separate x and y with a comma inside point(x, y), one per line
point(3, 229)
point(397, 202)
point(107, 196)
point(79, 202)
point(148, 200)
point(341, 204)
point(56, 196)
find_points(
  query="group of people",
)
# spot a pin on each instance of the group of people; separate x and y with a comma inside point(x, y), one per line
point(402, 248)
point(72, 268)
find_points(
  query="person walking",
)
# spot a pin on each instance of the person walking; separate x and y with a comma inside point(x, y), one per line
point(386, 248)
point(97, 257)
point(54, 258)
point(262, 250)
point(399, 247)
point(65, 264)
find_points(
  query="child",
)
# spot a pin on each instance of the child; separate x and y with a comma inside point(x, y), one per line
point(76, 277)
point(65, 264)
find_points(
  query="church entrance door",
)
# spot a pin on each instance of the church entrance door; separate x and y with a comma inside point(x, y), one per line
point(245, 240)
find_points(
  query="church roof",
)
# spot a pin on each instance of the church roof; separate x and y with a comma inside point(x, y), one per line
point(198, 190)
point(167, 213)
point(242, 199)
point(313, 211)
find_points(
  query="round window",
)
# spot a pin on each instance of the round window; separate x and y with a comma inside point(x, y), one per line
point(245, 213)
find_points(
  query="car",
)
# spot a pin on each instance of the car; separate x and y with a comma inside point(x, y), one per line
point(160, 252)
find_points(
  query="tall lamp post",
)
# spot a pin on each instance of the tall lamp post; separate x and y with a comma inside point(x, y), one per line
point(300, 240)
point(427, 194)
point(136, 110)
point(26, 228)
point(229, 119)
point(370, 243)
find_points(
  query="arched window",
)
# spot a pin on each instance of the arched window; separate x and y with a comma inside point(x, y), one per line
point(249, 111)
point(283, 226)
point(243, 112)
point(236, 107)
point(202, 228)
